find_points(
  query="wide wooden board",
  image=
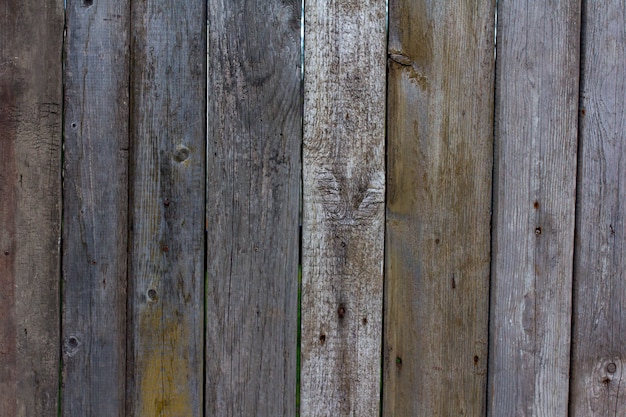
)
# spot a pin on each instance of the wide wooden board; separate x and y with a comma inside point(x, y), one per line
point(439, 168)
point(31, 38)
point(95, 198)
point(533, 220)
point(166, 281)
point(599, 337)
point(253, 196)
point(343, 207)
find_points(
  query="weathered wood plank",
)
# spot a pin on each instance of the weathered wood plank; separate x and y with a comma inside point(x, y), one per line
point(439, 168)
point(535, 175)
point(253, 196)
point(95, 208)
point(599, 338)
point(31, 38)
point(167, 208)
point(343, 212)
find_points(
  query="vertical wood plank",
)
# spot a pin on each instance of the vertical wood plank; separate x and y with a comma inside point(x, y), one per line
point(535, 176)
point(167, 208)
point(599, 338)
point(343, 212)
point(95, 208)
point(31, 38)
point(253, 196)
point(439, 170)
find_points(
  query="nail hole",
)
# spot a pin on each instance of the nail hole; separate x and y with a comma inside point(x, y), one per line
point(536, 204)
point(476, 358)
point(6, 253)
point(166, 202)
point(364, 321)
point(72, 342)
point(399, 362)
point(322, 338)
point(436, 241)
point(341, 311)
point(538, 231)
point(152, 294)
point(73, 125)
point(182, 153)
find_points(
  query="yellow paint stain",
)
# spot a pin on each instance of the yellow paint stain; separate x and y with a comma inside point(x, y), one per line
point(165, 370)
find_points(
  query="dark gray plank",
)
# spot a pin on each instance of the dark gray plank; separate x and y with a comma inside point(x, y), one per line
point(166, 278)
point(535, 182)
point(439, 170)
point(31, 37)
point(599, 337)
point(343, 207)
point(253, 180)
point(95, 208)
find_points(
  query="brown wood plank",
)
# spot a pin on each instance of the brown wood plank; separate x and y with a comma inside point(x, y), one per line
point(599, 337)
point(31, 38)
point(439, 168)
point(253, 195)
point(167, 208)
point(343, 212)
point(535, 182)
point(95, 208)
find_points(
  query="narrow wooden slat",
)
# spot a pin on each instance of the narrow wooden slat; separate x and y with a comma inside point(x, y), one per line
point(253, 196)
point(95, 208)
point(166, 278)
point(599, 338)
point(343, 212)
point(31, 37)
point(536, 141)
point(439, 168)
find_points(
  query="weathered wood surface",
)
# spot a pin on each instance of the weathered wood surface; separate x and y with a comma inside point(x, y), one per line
point(599, 338)
point(439, 167)
point(95, 208)
point(168, 87)
point(533, 233)
point(31, 38)
point(343, 212)
point(253, 196)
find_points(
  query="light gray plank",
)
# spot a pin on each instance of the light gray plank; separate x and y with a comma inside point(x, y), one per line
point(253, 196)
point(166, 282)
point(599, 338)
point(95, 208)
point(439, 170)
point(535, 179)
point(31, 36)
point(343, 212)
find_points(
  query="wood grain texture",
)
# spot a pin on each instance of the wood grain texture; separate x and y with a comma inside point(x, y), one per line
point(599, 338)
point(253, 196)
point(439, 168)
point(166, 283)
point(31, 37)
point(343, 211)
point(95, 208)
point(535, 181)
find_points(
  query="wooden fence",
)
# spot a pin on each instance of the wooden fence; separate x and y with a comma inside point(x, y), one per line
point(463, 212)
